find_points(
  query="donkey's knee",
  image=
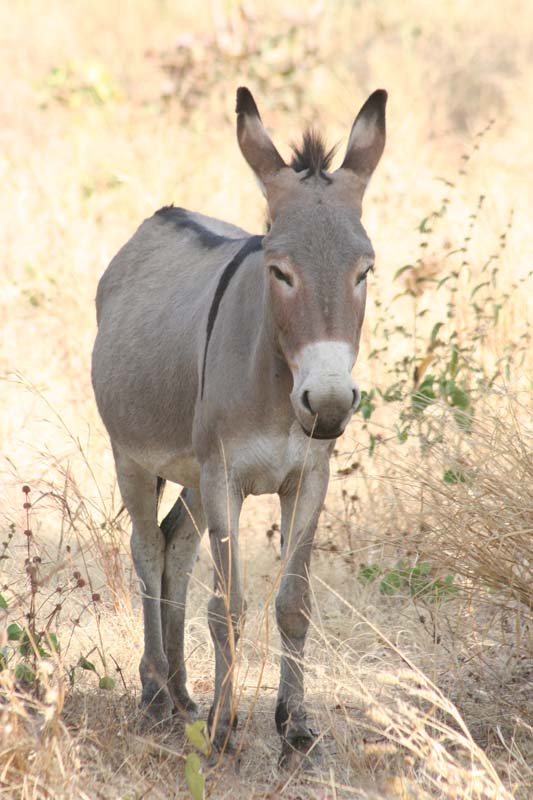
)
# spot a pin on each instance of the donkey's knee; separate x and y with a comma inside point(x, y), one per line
point(225, 618)
point(148, 552)
point(292, 614)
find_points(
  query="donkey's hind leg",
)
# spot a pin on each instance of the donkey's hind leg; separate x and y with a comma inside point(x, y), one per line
point(183, 528)
point(139, 493)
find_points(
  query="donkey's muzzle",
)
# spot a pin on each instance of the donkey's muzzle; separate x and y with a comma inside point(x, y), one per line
point(326, 417)
point(324, 395)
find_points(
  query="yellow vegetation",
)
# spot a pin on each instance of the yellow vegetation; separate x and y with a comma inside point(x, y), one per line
point(111, 110)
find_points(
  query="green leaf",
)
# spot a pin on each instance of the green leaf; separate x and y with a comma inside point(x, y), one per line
point(193, 776)
point(196, 733)
point(452, 476)
point(368, 572)
point(402, 434)
point(366, 406)
point(390, 583)
point(24, 673)
point(26, 647)
point(476, 289)
point(84, 663)
point(14, 632)
point(423, 227)
point(392, 393)
point(459, 398)
point(52, 640)
point(424, 395)
point(444, 589)
point(443, 281)
point(434, 332)
point(452, 366)
point(401, 271)
point(3, 602)
point(463, 419)
point(107, 683)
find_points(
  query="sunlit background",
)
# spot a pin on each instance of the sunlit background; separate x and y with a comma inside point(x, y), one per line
point(424, 558)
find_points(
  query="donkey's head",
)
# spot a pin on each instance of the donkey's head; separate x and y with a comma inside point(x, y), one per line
point(318, 256)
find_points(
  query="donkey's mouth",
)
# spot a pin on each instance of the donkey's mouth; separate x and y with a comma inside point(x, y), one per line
point(317, 434)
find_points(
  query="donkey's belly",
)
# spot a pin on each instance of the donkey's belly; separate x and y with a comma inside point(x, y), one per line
point(185, 471)
point(181, 467)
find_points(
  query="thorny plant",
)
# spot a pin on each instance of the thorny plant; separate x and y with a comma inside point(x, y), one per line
point(35, 609)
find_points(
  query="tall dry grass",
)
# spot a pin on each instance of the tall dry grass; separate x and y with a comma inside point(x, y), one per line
point(419, 691)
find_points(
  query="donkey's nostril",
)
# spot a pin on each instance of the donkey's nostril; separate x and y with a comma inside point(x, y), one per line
point(356, 398)
point(306, 403)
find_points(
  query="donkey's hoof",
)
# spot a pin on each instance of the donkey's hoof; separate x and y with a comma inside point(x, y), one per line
point(155, 702)
point(184, 705)
point(223, 738)
point(185, 708)
point(224, 741)
point(299, 750)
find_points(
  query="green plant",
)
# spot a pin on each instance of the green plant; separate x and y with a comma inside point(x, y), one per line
point(418, 580)
point(196, 733)
point(275, 59)
point(105, 681)
point(74, 85)
point(445, 359)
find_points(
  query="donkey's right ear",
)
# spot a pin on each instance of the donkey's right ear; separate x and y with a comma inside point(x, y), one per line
point(367, 138)
point(255, 143)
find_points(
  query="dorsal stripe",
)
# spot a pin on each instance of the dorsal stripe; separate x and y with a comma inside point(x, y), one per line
point(182, 221)
point(252, 245)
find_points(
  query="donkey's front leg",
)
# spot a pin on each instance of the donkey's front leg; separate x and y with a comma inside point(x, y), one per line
point(222, 504)
point(299, 516)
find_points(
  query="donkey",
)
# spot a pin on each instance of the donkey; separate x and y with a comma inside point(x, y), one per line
point(223, 363)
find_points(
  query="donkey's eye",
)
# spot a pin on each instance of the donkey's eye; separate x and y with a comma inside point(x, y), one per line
point(364, 275)
point(281, 276)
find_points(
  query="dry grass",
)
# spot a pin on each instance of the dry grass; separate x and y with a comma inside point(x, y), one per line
point(416, 696)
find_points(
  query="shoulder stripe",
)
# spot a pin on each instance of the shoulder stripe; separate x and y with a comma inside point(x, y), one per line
point(252, 245)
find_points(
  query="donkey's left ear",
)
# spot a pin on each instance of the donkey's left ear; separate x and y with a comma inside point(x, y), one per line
point(255, 143)
point(367, 137)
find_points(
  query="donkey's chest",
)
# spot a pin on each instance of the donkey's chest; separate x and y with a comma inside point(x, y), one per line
point(264, 463)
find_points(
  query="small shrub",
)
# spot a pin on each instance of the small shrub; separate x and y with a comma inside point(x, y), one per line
point(418, 580)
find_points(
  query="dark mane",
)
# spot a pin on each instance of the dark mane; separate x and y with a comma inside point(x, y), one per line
point(312, 154)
